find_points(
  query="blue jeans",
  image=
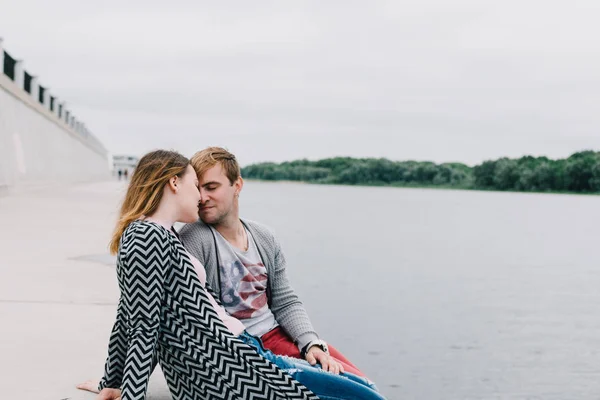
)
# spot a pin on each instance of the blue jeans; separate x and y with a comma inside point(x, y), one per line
point(326, 385)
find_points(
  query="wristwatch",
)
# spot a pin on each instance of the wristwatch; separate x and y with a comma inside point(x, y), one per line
point(317, 342)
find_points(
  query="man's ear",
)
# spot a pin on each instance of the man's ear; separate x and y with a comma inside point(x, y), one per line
point(239, 184)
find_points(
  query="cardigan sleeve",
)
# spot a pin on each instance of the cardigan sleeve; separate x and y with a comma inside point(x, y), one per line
point(145, 258)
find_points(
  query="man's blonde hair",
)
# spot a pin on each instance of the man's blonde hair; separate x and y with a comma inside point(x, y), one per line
point(204, 160)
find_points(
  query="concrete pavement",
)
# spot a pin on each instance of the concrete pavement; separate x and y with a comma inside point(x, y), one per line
point(58, 290)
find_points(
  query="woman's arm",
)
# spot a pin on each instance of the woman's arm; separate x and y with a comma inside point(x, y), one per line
point(145, 259)
point(117, 351)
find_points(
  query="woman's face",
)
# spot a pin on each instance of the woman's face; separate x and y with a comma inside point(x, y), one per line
point(189, 196)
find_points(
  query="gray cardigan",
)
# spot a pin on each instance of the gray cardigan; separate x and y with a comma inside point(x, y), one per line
point(288, 310)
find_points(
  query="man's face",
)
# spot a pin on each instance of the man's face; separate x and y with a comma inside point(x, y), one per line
point(217, 195)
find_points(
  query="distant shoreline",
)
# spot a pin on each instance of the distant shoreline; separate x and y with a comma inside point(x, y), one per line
point(577, 174)
point(433, 187)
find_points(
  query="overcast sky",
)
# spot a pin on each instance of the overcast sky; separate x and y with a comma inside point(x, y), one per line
point(439, 80)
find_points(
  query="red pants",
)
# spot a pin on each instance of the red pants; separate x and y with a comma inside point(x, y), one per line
point(280, 343)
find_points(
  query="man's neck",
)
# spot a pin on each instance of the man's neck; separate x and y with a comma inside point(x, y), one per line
point(234, 232)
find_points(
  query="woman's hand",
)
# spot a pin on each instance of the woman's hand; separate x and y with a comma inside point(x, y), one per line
point(106, 393)
point(90, 385)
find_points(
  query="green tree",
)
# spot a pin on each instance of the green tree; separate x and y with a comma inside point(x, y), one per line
point(578, 171)
point(506, 174)
point(483, 175)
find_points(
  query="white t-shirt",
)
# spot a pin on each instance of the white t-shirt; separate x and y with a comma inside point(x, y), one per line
point(243, 278)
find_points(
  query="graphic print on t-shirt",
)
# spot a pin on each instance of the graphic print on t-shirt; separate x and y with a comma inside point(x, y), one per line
point(244, 288)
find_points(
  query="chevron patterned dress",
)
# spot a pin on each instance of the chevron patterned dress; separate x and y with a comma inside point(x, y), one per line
point(164, 315)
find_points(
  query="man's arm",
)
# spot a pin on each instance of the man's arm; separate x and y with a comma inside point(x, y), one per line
point(292, 317)
point(285, 304)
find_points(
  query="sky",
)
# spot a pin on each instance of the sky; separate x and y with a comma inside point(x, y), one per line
point(436, 80)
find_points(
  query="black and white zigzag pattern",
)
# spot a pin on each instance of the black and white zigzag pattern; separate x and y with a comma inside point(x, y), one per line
point(164, 315)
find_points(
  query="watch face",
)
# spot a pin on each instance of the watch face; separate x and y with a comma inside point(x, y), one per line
point(319, 343)
point(324, 346)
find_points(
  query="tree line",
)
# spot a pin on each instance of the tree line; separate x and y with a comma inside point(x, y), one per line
point(579, 173)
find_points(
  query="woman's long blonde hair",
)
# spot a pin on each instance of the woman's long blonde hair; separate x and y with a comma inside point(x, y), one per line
point(146, 188)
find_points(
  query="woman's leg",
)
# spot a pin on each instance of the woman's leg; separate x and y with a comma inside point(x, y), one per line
point(330, 386)
point(353, 377)
point(326, 385)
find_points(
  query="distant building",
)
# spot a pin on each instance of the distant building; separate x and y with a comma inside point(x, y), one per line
point(123, 166)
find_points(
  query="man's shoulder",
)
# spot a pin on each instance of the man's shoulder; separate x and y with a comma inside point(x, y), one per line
point(259, 228)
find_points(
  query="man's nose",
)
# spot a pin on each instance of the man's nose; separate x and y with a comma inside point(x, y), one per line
point(203, 195)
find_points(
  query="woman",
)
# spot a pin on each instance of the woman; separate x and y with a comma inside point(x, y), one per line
point(165, 314)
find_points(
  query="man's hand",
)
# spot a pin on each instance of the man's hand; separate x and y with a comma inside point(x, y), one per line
point(109, 394)
point(316, 355)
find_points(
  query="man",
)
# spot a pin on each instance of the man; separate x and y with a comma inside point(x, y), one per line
point(246, 267)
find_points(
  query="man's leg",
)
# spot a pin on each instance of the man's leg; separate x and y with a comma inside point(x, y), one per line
point(280, 343)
